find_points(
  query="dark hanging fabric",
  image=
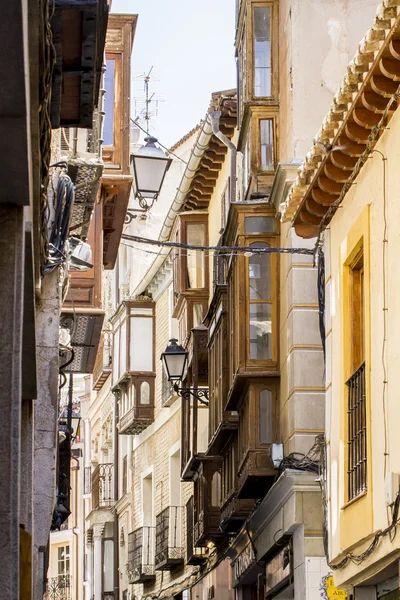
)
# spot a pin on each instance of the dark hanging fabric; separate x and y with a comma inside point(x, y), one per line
point(321, 296)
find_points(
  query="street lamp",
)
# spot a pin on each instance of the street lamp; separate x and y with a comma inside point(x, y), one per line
point(149, 168)
point(174, 360)
point(69, 423)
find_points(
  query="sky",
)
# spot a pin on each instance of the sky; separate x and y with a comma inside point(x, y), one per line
point(190, 45)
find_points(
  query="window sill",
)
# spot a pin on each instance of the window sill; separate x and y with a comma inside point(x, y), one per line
point(353, 500)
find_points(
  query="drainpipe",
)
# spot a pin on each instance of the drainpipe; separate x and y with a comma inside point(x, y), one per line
point(215, 116)
point(116, 490)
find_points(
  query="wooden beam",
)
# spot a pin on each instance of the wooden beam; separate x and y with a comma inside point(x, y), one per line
point(322, 197)
point(374, 102)
point(314, 208)
point(329, 186)
point(355, 133)
point(365, 118)
point(390, 67)
point(350, 148)
point(335, 173)
point(383, 86)
point(340, 160)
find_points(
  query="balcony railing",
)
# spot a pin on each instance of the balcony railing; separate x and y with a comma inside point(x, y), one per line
point(141, 555)
point(58, 588)
point(356, 434)
point(169, 551)
point(103, 486)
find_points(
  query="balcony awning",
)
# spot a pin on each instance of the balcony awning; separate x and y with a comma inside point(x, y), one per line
point(85, 328)
point(85, 173)
point(79, 34)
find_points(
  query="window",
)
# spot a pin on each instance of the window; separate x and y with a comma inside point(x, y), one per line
point(262, 51)
point(356, 398)
point(190, 269)
point(260, 304)
point(109, 101)
point(63, 561)
point(267, 145)
point(145, 393)
point(195, 236)
point(125, 475)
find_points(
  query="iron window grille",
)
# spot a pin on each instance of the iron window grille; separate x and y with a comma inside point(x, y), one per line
point(356, 434)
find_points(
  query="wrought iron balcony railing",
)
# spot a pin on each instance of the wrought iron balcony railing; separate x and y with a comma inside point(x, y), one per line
point(58, 588)
point(141, 555)
point(169, 551)
point(103, 486)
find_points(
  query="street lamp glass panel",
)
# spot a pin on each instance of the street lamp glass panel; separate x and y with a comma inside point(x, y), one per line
point(174, 360)
point(149, 167)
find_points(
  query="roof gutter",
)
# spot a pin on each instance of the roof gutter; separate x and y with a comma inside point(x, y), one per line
point(201, 145)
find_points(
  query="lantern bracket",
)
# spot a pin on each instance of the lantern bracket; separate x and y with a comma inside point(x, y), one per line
point(197, 393)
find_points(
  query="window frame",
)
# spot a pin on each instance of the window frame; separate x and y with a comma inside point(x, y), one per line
point(245, 48)
point(248, 240)
point(116, 157)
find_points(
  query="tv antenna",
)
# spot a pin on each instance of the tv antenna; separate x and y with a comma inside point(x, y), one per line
point(147, 107)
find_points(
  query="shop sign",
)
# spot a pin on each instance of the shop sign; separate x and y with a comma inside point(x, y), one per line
point(277, 571)
point(244, 561)
point(329, 591)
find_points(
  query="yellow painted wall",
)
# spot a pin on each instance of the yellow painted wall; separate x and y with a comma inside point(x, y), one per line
point(362, 215)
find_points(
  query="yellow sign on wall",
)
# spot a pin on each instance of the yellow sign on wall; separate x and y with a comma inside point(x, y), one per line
point(329, 590)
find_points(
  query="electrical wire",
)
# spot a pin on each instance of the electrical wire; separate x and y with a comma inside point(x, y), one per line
point(159, 143)
point(385, 311)
point(356, 559)
point(236, 249)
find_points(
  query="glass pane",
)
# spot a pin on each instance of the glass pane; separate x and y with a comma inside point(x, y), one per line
point(260, 274)
point(108, 566)
point(108, 127)
point(265, 417)
point(116, 350)
point(141, 349)
point(260, 331)
point(262, 51)
point(196, 236)
point(267, 144)
point(259, 225)
point(122, 349)
point(145, 393)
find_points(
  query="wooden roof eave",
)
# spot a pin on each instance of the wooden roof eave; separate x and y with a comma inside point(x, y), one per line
point(370, 83)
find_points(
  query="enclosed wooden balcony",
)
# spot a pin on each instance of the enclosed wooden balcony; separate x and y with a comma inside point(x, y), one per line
point(258, 430)
point(234, 511)
point(136, 404)
point(221, 422)
point(207, 499)
point(102, 366)
point(194, 555)
point(169, 547)
point(194, 411)
point(141, 548)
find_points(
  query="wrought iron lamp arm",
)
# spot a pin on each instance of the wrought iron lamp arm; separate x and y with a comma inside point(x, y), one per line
point(185, 393)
